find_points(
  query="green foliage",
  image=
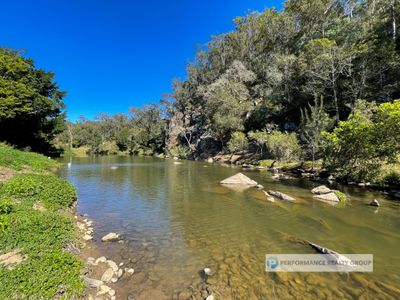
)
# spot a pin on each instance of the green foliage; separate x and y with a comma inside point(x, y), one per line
point(314, 121)
point(179, 151)
point(54, 192)
point(359, 147)
point(5, 206)
point(238, 142)
point(18, 160)
point(283, 146)
point(47, 271)
point(260, 138)
point(30, 104)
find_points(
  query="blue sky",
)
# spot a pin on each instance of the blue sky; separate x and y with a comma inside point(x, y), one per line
point(110, 55)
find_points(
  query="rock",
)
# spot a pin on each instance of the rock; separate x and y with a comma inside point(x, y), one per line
point(210, 160)
point(247, 166)
point(113, 167)
point(111, 292)
point(11, 258)
point(239, 179)
point(207, 271)
point(321, 190)
point(269, 197)
point(87, 237)
point(177, 163)
point(259, 186)
point(120, 264)
point(210, 297)
point(281, 196)
point(330, 197)
point(101, 259)
point(39, 206)
point(103, 290)
point(112, 265)
point(91, 260)
point(114, 280)
point(335, 255)
point(92, 282)
point(112, 236)
point(107, 275)
point(119, 273)
point(375, 203)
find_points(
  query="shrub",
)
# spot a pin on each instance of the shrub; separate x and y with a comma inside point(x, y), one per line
point(5, 206)
point(238, 142)
point(54, 192)
point(283, 146)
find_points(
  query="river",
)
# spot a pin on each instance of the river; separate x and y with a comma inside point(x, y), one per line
point(176, 219)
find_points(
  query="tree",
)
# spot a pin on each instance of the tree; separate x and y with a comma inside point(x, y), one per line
point(324, 62)
point(314, 121)
point(31, 107)
point(359, 147)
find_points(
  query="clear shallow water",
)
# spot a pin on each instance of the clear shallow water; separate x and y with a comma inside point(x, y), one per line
point(176, 219)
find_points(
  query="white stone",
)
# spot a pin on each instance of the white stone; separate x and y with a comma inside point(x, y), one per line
point(107, 275)
point(112, 265)
point(320, 190)
point(210, 297)
point(103, 290)
point(101, 259)
point(112, 236)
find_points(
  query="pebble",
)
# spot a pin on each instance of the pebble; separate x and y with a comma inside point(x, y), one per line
point(207, 271)
point(101, 259)
point(111, 292)
point(112, 265)
point(87, 237)
point(129, 271)
point(103, 290)
point(107, 275)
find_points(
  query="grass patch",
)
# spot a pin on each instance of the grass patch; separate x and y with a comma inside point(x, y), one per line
point(52, 191)
point(19, 160)
point(47, 271)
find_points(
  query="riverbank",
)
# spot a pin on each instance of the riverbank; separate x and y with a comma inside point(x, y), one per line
point(37, 235)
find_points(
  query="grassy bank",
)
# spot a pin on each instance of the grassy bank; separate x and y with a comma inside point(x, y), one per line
point(36, 228)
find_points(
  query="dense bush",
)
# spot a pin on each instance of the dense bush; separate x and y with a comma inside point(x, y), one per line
point(283, 146)
point(238, 142)
point(359, 147)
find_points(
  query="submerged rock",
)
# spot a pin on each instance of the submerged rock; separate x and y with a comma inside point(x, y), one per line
point(330, 197)
point(239, 179)
point(269, 197)
point(259, 186)
point(112, 236)
point(321, 190)
point(281, 196)
point(92, 282)
point(375, 202)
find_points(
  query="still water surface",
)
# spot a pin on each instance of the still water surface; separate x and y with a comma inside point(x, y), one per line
point(176, 219)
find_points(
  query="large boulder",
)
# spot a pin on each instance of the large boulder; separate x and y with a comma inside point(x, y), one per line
point(239, 179)
point(330, 197)
point(281, 196)
point(321, 190)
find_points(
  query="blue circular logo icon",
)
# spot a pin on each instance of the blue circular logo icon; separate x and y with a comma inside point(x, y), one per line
point(272, 262)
